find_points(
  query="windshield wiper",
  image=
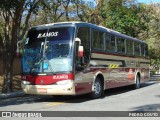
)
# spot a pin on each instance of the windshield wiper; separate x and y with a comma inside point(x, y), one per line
point(38, 61)
point(49, 64)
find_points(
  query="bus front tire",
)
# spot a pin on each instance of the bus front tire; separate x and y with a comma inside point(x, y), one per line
point(98, 89)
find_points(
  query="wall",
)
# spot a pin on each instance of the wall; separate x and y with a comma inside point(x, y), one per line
point(16, 66)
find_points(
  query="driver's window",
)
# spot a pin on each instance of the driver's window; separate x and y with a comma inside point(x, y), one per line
point(84, 35)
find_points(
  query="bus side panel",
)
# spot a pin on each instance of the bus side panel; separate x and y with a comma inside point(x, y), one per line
point(120, 70)
point(145, 71)
point(114, 69)
point(83, 82)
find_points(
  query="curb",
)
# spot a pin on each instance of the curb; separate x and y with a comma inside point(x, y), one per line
point(11, 95)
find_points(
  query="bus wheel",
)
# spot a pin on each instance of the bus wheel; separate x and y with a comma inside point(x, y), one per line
point(138, 83)
point(98, 89)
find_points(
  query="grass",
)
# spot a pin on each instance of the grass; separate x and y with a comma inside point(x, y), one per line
point(16, 82)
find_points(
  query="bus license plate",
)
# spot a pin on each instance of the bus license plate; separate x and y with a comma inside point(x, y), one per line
point(42, 90)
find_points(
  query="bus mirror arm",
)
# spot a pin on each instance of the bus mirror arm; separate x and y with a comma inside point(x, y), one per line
point(18, 48)
point(78, 40)
point(79, 67)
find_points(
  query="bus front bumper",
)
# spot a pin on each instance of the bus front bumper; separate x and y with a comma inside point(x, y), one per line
point(67, 89)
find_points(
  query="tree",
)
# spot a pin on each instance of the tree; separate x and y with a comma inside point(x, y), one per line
point(89, 12)
point(123, 16)
point(67, 10)
point(53, 11)
point(153, 34)
point(15, 15)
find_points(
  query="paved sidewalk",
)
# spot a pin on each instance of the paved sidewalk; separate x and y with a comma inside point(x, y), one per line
point(20, 93)
point(11, 94)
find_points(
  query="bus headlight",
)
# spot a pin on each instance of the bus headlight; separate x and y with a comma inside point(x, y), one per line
point(26, 82)
point(64, 82)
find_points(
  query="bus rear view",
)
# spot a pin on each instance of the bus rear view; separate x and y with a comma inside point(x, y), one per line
point(47, 62)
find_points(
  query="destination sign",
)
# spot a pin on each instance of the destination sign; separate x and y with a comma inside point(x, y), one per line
point(48, 34)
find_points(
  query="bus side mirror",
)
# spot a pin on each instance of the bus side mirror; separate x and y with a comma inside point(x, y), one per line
point(80, 51)
point(17, 52)
point(19, 49)
point(80, 48)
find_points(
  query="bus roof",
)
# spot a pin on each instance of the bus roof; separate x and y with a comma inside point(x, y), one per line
point(78, 23)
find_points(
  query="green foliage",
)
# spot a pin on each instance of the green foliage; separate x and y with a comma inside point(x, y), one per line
point(137, 20)
point(126, 16)
point(123, 16)
point(152, 34)
point(14, 16)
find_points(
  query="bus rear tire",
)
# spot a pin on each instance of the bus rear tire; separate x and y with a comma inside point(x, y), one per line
point(137, 82)
point(98, 89)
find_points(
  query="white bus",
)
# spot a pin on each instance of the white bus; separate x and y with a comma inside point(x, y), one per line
point(73, 58)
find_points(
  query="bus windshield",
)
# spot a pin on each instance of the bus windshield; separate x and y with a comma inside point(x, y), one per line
point(48, 51)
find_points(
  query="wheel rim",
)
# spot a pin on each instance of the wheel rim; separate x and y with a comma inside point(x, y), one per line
point(97, 88)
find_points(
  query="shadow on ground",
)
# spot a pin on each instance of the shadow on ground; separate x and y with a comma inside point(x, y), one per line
point(151, 107)
point(29, 99)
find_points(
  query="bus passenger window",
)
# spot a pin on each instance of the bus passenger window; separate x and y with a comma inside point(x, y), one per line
point(123, 45)
point(142, 50)
point(112, 45)
point(146, 51)
point(101, 40)
point(137, 49)
point(95, 39)
point(129, 47)
point(120, 45)
point(98, 40)
point(107, 41)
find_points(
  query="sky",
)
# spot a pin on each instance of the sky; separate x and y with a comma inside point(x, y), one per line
point(93, 2)
point(148, 1)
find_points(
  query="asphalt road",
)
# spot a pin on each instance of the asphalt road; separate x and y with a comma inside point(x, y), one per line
point(147, 98)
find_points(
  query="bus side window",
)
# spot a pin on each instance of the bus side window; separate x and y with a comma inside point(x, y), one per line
point(119, 49)
point(101, 40)
point(120, 45)
point(146, 50)
point(95, 39)
point(137, 49)
point(112, 45)
point(123, 45)
point(107, 38)
point(98, 40)
point(142, 50)
point(129, 47)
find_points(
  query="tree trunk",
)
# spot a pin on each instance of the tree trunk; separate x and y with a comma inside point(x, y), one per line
point(8, 65)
